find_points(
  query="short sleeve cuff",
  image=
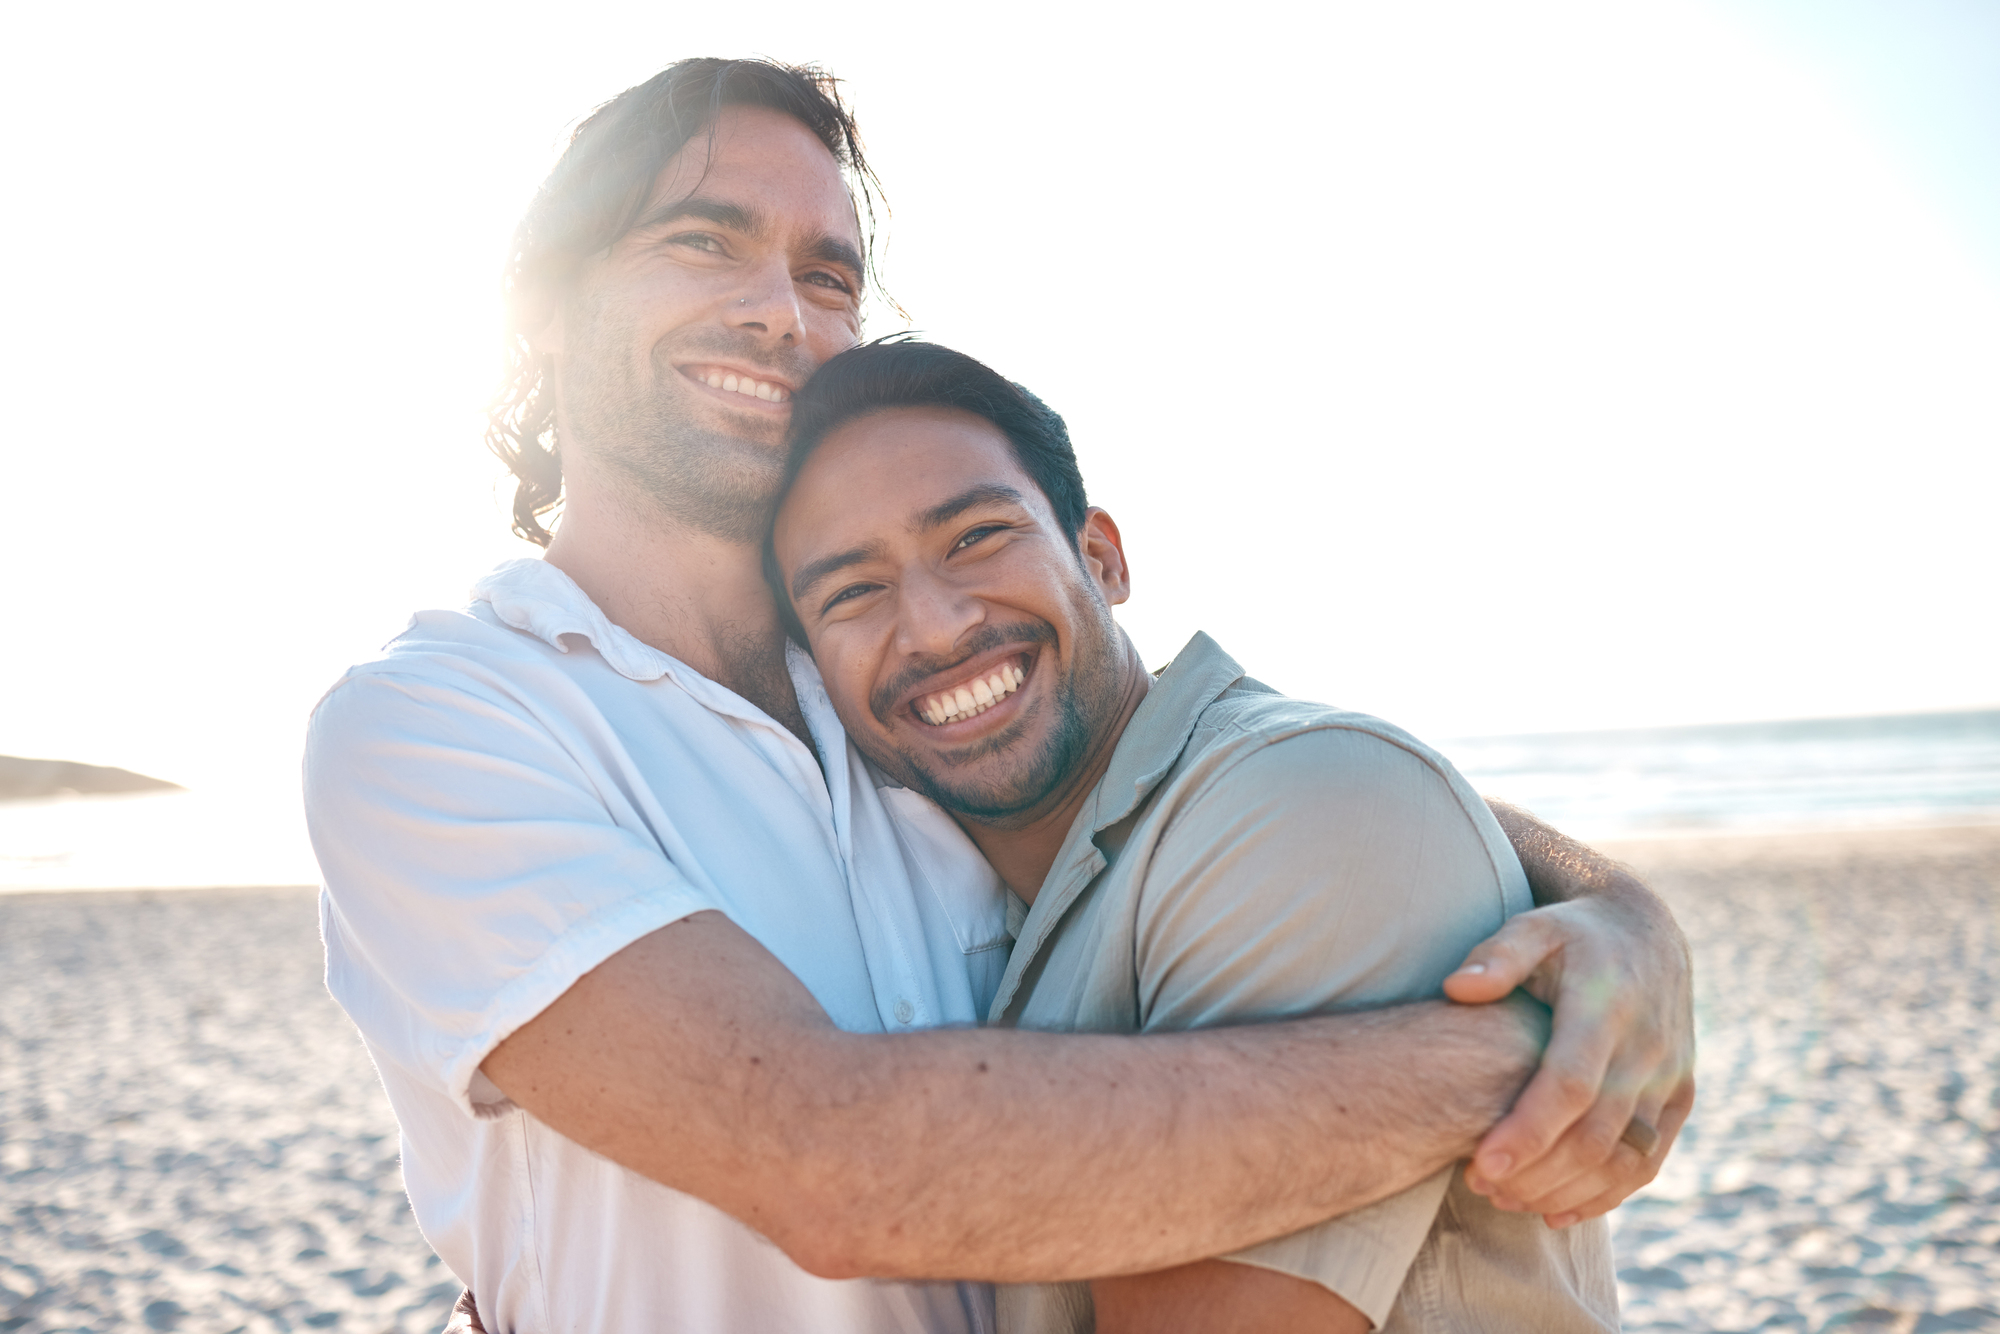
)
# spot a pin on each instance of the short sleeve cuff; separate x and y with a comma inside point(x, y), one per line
point(1361, 1257)
point(585, 945)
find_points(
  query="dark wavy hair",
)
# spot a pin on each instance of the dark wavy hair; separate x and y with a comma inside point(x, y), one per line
point(902, 371)
point(595, 194)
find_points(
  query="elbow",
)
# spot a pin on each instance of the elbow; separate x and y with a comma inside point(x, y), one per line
point(838, 1231)
point(828, 1243)
point(834, 1261)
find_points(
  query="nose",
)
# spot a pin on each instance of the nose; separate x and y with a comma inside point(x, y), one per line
point(768, 304)
point(933, 615)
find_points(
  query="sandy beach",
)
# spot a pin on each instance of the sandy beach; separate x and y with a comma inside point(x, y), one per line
point(191, 1136)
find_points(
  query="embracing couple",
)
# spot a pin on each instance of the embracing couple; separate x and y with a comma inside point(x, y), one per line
point(792, 905)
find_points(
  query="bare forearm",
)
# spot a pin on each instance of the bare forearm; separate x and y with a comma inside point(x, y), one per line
point(1015, 1156)
point(694, 1058)
point(1216, 1140)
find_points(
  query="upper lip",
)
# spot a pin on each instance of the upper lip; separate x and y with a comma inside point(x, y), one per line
point(964, 673)
point(740, 371)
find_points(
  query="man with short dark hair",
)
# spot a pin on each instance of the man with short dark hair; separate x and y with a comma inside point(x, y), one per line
point(656, 972)
point(1184, 850)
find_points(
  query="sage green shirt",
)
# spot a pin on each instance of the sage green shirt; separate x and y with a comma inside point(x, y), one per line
point(1248, 856)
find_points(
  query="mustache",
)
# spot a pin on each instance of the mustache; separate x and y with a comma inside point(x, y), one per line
point(793, 364)
point(983, 640)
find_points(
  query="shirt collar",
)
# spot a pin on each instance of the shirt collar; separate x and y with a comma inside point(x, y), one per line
point(1160, 727)
point(1147, 750)
point(538, 599)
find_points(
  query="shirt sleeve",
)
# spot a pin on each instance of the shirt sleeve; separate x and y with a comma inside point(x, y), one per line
point(472, 871)
point(1336, 867)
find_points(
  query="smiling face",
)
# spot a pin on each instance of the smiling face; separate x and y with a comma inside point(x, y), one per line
point(677, 352)
point(968, 647)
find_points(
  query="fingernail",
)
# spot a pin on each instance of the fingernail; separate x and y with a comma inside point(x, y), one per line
point(1479, 1184)
point(1496, 1165)
point(1507, 1202)
point(1561, 1221)
point(1473, 968)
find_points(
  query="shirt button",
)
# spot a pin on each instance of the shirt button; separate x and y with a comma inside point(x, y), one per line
point(905, 1012)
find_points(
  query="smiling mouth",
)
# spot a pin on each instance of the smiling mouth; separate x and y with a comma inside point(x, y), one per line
point(736, 382)
point(969, 699)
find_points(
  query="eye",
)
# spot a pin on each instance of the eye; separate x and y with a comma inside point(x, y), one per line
point(978, 535)
point(826, 278)
point(705, 242)
point(846, 594)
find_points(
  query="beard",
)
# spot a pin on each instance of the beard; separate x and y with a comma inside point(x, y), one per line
point(1029, 775)
point(649, 427)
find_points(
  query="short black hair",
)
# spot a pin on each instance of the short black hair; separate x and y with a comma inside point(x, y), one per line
point(902, 371)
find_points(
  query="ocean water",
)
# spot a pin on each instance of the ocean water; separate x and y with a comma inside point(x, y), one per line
point(1825, 773)
point(1939, 769)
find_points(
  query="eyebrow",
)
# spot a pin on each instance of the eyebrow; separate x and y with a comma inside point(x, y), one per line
point(988, 493)
point(718, 211)
point(825, 247)
point(814, 571)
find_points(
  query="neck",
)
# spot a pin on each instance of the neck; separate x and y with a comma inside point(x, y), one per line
point(1023, 850)
point(691, 594)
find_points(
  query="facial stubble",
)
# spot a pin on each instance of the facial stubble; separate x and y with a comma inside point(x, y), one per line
point(1086, 700)
point(645, 424)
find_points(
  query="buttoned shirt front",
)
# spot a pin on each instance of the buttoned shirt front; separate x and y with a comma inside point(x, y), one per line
point(1246, 857)
point(516, 791)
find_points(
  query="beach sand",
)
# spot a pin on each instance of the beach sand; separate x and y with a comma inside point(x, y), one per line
point(1842, 1167)
point(191, 1136)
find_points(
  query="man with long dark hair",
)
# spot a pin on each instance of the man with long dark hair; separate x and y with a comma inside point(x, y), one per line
point(661, 977)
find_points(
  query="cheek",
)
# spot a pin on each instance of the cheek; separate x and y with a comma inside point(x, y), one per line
point(848, 669)
point(832, 332)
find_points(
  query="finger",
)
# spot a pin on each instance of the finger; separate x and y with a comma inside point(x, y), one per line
point(1566, 1087)
point(1672, 1117)
point(1583, 1151)
point(1503, 961)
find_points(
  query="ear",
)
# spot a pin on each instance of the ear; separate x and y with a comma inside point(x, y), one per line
point(1104, 555)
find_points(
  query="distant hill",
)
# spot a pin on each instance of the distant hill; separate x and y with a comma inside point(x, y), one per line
point(22, 779)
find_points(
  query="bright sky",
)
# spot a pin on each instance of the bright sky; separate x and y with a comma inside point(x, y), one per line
point(1491, 368)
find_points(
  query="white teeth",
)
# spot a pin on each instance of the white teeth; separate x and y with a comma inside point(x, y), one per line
point(743, 384)
point(973, 698)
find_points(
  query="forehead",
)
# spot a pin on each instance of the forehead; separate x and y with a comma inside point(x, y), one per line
point(878, 474)
point(765, 161)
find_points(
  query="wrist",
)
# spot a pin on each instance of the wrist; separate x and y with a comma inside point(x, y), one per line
point(1507, 1038)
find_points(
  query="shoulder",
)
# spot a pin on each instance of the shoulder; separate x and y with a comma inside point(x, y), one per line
point(1259, 744)
point(447, 672)
point(467, 649)
point(1308, 856)
point(1273, 794)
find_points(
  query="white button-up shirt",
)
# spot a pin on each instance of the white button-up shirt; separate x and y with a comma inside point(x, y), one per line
point(514, 792)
